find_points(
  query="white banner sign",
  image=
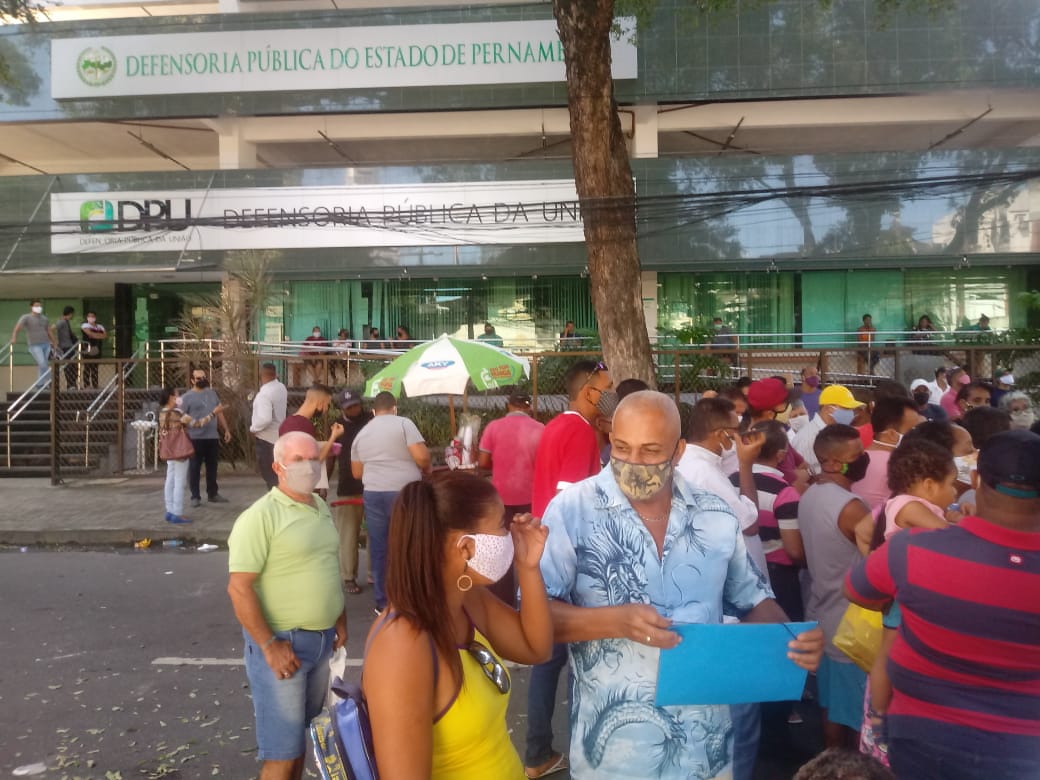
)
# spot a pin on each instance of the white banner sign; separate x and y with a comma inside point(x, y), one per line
point(441, 214)
point(317, 59)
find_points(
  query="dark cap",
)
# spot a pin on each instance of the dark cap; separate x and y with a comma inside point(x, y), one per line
point(348, 398)
point(519, 399)
point(766, 394)
point(1010, 464)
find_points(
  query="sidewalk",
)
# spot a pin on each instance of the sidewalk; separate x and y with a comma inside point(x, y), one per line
point(115, 510)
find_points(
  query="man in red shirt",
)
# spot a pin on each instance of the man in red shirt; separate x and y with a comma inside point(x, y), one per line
point(568, 452)
point(315, 403)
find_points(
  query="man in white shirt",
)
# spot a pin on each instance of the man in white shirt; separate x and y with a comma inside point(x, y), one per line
point(713, 431)
point(938, 388)
point(269, 407)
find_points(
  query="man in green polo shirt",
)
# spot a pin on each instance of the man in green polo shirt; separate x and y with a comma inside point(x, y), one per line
point(286, 592)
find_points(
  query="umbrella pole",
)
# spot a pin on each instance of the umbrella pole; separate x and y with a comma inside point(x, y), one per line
point(451, 414)
point(465, 398)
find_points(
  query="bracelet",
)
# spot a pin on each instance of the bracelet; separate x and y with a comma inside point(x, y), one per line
point(267, 644)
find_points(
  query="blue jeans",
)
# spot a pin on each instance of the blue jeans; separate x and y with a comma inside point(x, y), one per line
point(378, 504)
point(176, 480)
point(40, 353)
point(747, 727)
point(284, 708)
point(541, 702)
point(912, 758)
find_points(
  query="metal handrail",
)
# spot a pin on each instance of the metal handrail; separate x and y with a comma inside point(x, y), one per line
point(22, 402)
point(111, 387)
point(9, 357)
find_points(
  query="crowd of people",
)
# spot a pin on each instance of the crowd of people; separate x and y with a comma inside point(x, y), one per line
point(580, 544)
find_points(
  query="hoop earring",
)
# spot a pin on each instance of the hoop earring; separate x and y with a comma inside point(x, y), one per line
point(464, 582)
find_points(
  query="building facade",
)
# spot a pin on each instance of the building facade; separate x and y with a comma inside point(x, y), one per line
point(796, 166)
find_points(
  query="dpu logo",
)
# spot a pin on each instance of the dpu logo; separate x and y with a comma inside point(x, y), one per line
point(436, 365)
point(131, 215)
point(96, 66)
point(95, 216)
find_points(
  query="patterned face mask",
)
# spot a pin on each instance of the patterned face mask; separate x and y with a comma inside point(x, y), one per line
point(641, 481)
point(492, 554)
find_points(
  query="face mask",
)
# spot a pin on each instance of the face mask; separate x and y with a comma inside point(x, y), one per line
point(784, 416)
point(856, 470)
point(177, 403)
point(1023, 418)
point(730, 464)
point(965, 465)
point(812, 381)
point(843, 416)
point(202, 384)
point(799, 422)
point(302, 476)
point(921, 398)
point(607, 403)
point(316, 333)
point(492, 556)
point(641, 481)
point(37, 309)
point(91, 320)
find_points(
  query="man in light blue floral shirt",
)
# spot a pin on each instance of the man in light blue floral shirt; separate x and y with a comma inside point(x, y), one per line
point(631, 550)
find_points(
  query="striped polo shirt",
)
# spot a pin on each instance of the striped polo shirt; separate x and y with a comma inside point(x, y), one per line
point(965, 667)
point(777, 510)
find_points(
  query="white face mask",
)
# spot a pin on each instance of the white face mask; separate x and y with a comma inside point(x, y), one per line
point(316, 333)
point(91, 320)
point(37, 310)
point(302, 476)
point(965, 465)
point(799, 422)
point(729, 463)
point(1023, 418)
point(492, 556)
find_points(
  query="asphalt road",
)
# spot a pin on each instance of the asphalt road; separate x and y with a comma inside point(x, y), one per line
point(127, 664)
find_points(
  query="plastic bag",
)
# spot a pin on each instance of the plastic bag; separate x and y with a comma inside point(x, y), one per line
point(337, 669)
point(859, 635)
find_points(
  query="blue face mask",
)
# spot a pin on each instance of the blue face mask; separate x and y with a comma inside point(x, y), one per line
point(843, 416)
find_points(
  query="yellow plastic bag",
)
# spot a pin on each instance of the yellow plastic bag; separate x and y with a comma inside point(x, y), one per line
point(859, 635)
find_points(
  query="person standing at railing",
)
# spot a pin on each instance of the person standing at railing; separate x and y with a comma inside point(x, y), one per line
point(37, 334)
point(867, 354)
point(314, 345)
point(66, 341)
point(93, 335)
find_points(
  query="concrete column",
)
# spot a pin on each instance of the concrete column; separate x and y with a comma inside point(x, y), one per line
point(234, 151)
point(228, 6)
point(648, 283)
point(644, 139)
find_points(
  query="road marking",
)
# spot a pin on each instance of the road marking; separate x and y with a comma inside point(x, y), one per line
point(174, 661)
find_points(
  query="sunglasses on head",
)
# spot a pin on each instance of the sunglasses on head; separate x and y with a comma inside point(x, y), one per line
point(490, 665)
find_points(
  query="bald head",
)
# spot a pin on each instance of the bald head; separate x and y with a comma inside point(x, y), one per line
point(648, 406)
point(295, 445)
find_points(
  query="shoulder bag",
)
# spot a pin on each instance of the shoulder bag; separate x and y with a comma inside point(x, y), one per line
point(342, 736)
point(174, 444)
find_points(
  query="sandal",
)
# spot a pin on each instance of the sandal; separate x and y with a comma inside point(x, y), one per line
point(551, 767)
point(351, 586)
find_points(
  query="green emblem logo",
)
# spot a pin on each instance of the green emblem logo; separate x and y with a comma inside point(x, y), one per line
point(96, 216)
point(96, 66)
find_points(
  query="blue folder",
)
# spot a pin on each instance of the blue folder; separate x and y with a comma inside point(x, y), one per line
point(734, 663)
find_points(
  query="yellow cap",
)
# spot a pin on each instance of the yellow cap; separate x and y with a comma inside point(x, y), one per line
point(839, 395)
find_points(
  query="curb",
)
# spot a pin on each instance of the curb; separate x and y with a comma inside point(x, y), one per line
point(102, 537)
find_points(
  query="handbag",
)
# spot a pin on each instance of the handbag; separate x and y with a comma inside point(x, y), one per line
point(342, 736)
point(174, 444)
point(859, 635)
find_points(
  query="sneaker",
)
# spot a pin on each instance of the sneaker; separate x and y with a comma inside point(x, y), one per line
point(176, 519)
point(196, 503)
point(217, 499)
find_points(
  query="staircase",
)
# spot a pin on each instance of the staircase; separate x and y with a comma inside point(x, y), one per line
point(30, 434)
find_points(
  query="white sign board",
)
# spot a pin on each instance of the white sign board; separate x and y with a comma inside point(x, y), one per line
point(441, 214)
point(317, 59)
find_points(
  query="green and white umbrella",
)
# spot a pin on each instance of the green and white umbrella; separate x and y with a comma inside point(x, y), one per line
point(447, 365)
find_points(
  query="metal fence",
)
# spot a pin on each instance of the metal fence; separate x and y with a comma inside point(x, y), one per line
point(108, 425)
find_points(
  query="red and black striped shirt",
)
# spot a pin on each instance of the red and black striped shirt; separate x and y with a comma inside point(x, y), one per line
point(966, 663)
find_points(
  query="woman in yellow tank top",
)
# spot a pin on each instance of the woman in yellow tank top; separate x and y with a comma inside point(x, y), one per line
point(436, 688)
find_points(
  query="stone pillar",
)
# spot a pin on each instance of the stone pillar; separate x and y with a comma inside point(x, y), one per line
point(644, 137)
point(234, 151)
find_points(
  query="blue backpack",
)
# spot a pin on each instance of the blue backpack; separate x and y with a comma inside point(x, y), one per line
point(342, 736)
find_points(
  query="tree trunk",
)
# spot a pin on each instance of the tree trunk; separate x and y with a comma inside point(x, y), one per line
point(603, 178)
